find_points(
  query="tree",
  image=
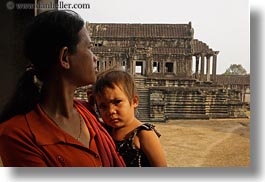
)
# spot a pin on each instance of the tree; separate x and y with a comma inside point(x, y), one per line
point(235, 69)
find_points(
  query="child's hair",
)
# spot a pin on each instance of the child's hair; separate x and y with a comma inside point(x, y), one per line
point(115, 77)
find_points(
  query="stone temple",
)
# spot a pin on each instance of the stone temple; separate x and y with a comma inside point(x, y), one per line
point(175, 73)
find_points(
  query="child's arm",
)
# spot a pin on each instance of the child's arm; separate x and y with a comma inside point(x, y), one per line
point(151, 146)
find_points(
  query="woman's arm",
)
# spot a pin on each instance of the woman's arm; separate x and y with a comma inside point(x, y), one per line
point(19, 153)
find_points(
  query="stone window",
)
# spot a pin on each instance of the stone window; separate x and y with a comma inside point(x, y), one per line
point(156, 67)
point(139, 67)
point(98, 44)
point(98, 65)
point(169, 67)
point(124, 65)
point(105, 65)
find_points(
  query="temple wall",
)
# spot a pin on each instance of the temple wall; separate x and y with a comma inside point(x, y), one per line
point(162, 67)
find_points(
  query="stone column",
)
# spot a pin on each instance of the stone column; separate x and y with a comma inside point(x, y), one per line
point(175, 67)
point(208, 69)
point(143, 71)
point(202, 68)
point(197, 67)
point(163, 67)
point(129, 64)
point(148, 66)
point(188, 66)
point(149, 58)
point(214, 66)
point(133, 67)
point(243, 93)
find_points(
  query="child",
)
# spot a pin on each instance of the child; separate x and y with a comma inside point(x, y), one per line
point(116, 99)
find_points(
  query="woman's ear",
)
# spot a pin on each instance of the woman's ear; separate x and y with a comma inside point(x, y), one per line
point(64, 58)
point(135, 101)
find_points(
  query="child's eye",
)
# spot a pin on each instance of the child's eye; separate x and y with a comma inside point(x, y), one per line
point(116, 102)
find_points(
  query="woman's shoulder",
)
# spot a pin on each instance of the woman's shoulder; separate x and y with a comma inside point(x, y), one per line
point(15, 123)
point(14, 120)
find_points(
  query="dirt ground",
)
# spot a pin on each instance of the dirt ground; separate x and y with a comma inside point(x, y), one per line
point(206, 143)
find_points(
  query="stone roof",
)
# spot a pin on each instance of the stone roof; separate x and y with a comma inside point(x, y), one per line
point(200, 47)
point(126, 32)
point(234, 79)
point(140, 30)
point(167, 50)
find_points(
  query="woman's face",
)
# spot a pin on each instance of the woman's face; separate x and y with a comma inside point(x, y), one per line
point(83, 61)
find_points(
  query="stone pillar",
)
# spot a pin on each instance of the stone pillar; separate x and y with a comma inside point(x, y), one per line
point(188, 66)
point(197, 67)
point(202, 68)
point(143, 71)
point(149, 58)
point(129, 64)
point(243, 93)
point(208, 69)
point(163, 67)
point(175, 67)
point(214, 66)
point(35, 9)
point(133, 67)
point(148, 66)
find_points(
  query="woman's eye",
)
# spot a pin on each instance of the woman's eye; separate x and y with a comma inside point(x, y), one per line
point(91, 45)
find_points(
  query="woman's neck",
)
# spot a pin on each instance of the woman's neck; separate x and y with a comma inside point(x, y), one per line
point(57, 98)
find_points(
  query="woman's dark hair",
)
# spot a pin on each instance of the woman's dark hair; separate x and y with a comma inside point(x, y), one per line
point(45, 36)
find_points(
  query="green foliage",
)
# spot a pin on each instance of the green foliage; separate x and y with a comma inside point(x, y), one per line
point(235, 69)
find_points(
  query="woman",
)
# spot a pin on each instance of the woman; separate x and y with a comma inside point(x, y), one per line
point(43, 125)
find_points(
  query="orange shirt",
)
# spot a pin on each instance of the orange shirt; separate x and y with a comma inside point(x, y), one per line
point(34, 140)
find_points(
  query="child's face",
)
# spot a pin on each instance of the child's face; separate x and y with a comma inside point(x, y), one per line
point(115, 108)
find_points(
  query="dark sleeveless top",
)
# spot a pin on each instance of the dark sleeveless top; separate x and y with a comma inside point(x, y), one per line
point(132, 156)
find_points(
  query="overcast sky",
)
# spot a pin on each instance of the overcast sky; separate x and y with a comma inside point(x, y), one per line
point(222, 24)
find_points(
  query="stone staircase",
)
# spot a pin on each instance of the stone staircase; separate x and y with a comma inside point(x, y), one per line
point(142, 112)
point(216, 103)
point(185, 104)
